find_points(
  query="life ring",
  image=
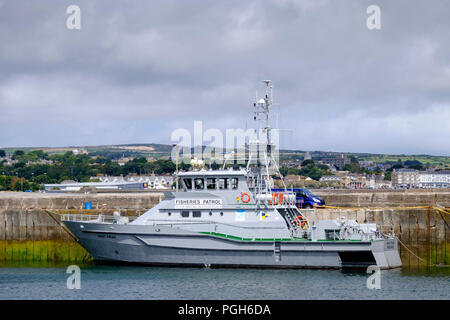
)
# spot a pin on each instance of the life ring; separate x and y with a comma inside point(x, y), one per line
point(247, 199)
point(302, 223)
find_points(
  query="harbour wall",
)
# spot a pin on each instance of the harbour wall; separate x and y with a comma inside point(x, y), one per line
point(31, 231)
point(385, 198)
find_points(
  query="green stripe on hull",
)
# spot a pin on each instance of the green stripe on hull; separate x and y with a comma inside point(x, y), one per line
point(251, 239)
point(227, 236)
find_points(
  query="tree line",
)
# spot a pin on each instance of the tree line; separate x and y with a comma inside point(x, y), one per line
point(69, 166)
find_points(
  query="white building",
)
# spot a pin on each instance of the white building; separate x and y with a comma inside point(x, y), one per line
point(152, 181)
point(405, 177)
point(434, 179)
point(421, 179)
point(331, 179)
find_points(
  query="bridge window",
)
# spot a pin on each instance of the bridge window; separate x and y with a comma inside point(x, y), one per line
point(234, 183)
point(196, 214)
point(211, 183)
point(199, 184)
point(223, 183)
point(188, 183)
point(185, 214)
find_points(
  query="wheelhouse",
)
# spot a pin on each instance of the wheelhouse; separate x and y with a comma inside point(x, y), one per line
point(218, 180)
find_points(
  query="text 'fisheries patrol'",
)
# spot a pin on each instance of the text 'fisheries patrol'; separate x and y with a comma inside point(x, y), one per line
point(196, 203)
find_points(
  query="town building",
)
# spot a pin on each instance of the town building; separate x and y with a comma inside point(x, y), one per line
point(338, 162)
point(116, 183)
point(152, 181)
point(8, 160)
point(122, 161)
point(405, 178)
point(331, 179)
point(434, 179)
point(413, 178)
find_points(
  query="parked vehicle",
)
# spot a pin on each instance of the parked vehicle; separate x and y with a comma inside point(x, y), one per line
point(304, 198)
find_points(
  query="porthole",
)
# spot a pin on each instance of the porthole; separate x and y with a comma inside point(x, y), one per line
point(169, 214)
point(210, 213)
point(221, 214)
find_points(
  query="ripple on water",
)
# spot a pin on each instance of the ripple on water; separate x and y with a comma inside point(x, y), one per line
point(123, 282)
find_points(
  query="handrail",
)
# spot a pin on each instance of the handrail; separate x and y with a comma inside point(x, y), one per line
point(91, 218)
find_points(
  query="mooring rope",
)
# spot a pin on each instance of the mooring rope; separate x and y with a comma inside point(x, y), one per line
point(423, 260)
point(411, 251)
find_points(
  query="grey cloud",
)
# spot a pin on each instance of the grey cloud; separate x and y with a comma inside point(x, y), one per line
point(143, 69)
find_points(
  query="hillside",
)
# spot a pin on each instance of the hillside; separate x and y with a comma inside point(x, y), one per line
point(159, 151)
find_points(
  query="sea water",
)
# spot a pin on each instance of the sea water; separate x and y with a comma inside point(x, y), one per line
point(139, 282)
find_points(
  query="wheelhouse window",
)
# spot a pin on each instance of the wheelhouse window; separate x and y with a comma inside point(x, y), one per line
point(188, 183)
point(223, 183)
point(234, 183)
point(199, 183)
point(185, 214)
point(196, 214)
point(211, 183)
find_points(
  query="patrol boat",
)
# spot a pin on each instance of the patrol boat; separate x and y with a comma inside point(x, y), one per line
point(231, 218)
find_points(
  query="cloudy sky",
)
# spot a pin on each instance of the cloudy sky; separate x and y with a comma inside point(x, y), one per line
point(138, 70)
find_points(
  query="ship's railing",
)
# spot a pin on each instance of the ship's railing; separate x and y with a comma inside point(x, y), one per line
point(100, 218)
point(386, 230)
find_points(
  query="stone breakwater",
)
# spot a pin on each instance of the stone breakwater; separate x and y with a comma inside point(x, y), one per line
point(28, 232)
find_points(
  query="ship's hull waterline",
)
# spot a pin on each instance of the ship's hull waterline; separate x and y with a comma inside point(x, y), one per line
point(162, 245)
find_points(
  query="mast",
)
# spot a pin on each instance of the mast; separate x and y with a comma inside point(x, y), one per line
point(262, 107)
point(268, 104)
point(262, 113)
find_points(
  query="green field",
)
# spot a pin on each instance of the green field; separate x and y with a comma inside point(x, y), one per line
point(439, 161)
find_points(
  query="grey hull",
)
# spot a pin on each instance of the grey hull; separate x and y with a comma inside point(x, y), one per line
point(170, 246)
